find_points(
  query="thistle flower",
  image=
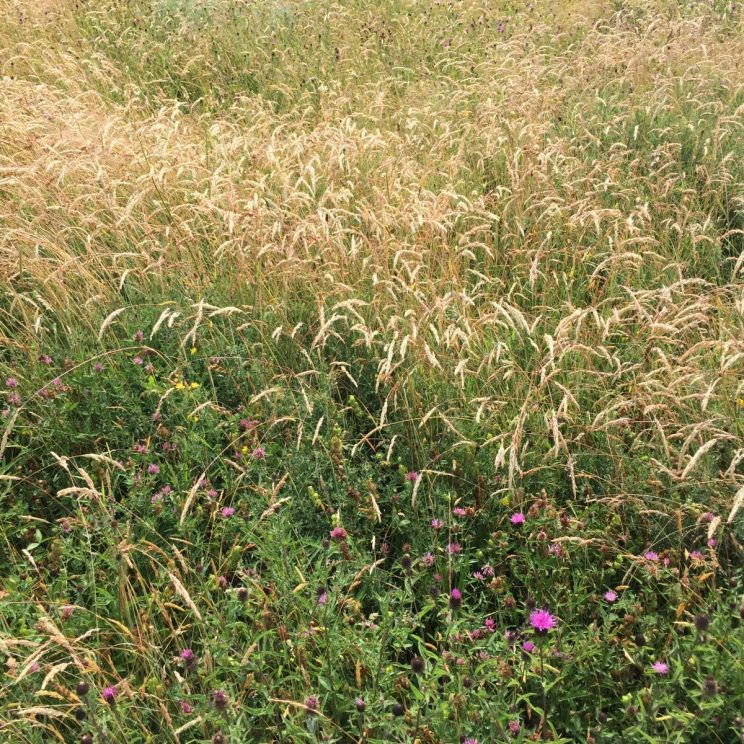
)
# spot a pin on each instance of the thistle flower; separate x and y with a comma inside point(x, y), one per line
point(651, 556)
point(312, 704)
point(153, 469)
point(517, 518)
point(610, 596)
point(186, 707)
point(660, 667)
point(542, 621)
point(428, 559)
point(360, 704)
point(219, 698)
point(259, 453)
point(227, 511)
point(455, 599)
point(339, 534)
point(436, 524)
point(528, 646)
point(11, 383)
point(109, 694)
point(412, 476)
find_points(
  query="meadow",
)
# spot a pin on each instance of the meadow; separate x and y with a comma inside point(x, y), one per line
point(371, 372)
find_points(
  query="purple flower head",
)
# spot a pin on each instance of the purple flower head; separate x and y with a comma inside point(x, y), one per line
point(153, 469)
point(14, 399)
point(610, 596)
point(45, 359)
point(542, 621)
point(312, 704)
point(138, 361)
point(528, 646)
point(555, 549)
point(323, 597)
point(339, 534)
point(660, 667)
point(651, 556)
point(490, 624)
point(109, 694)
point(227, 511)
point(696, 555)
point(454, 548)
point(186, 707)
point(455, 599)
point(712, 542)
point(11, 382)
point(428, 559)
point(66, 611)
point(514, 727)
point(470, 740)
point(436, 524)
point(458, 511)
point(360, 704)
point(189, 658)
point(98, 367)
point(259, 453)
point(412, 476)
point(139, 336)
point(220, 699)
point(517, 518)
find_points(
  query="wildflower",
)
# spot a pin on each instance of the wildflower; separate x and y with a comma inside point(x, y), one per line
point(45, 359)
point(528, 646)
point(436, 524)
point(66, 612)
point(696, 555)
point(138, 361)
point(470, 740)
point(488, 571)
point(82, 688)
point(153, 469)
point(454, 548)
point(610, 596)
point(478, 576)
point(139, 336)
point(312, 704)
point(709, 687)
point(186, 707)
point(555, 549)
point(322, 597)
point(651, 556)
point(98, 367)
point(259, 453)
point(219, 738)
point(489, 624)
point(417, 665)
point(428, 559)
point(702, 622)
point(708, 516)
point(660, 667)
point(66, 527)
point(109, 694)
point(412, 476)
point(360, 704)
point(712, 542)
point(458, 511)
point(220, 699)
point(188, 656)
point(11, 382)
point(222, 582)
point(339, 534)
point(14, 399)
point(405, 562)
point(227, 511)
point(542, 621)
point(455, 599)
point(514, 727)
point(517, 518)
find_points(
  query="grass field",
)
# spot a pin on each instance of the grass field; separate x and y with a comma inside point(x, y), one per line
point(371, 372)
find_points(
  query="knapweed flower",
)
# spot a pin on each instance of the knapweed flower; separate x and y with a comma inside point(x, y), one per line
point(139, 336)
point(470, 740)
point(138, 361)
point(312, 704)
point(189, 658)
point(696, 555)
point(649, 555)
point(702, 622)
point(610, 596)
point(528, 646)
point(14, 399)
point(360, 704)
point(323, 597)
point(436, 524)
point(454, 548)
point(11, 382)
point(455, 599)
point(66, 611)
point(412, 476)
point(227, 511)
point(458, 511)
point(259, 453)
point(555, 549)
point(98, 367)
point(153, 469)
point(186, 707)
point(220, 699)
point(339, 534)
point(489, 624)
point(517, 518)
point(109, 694)
point(428, 559)
point(660, 667)
point(712, 542)
point(514, 727)
point(542, 621)
point(45, 359)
